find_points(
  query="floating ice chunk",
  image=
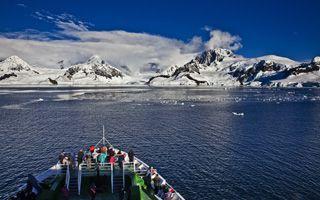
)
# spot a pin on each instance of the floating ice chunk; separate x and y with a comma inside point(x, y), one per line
point(238, 114)
point(20, 106)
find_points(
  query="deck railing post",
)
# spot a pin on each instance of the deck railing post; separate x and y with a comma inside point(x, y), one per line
point(68, 177)
point(123, 175)
point(134, 167)
point(58, 169)
point(112, 178)
point(79, 178)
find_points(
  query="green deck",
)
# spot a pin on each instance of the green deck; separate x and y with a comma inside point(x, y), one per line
point(52, 190)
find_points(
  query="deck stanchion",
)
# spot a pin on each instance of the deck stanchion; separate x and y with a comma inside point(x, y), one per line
point(79, 178)
point(67, 176)
point(134, 167)
point(112, 178)
point(123, 168)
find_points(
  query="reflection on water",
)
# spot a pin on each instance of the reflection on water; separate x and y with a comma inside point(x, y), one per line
point(190, 135)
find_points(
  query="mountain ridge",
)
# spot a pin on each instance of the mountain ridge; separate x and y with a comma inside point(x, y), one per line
point(214, 67)
point(221, 67)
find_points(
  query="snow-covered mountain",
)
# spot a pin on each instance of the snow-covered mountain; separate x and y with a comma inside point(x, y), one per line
point(94, 71)
point(221, 67)
point(14, 63)
point(215, 67)
point(14, 70)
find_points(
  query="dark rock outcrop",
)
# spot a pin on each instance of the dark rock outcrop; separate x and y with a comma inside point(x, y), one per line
point(94, 66)
point(198, 82)
point(6, 76)
point(249, 74)
point(203, 60)
point(52, 81)
point(159, 76)
point(207, 58)
point(314, 65)
point(105, 73)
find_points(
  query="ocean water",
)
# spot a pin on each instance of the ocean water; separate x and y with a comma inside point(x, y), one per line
point(197, 138)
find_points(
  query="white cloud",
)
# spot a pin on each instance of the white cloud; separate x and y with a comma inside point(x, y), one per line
point(64, 21)
point(74, 42)
point(117, 47)
point(21, 5)
point(207, 28)
point(220, 39)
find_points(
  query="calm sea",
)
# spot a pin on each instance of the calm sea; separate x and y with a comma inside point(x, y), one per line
point(197, 138)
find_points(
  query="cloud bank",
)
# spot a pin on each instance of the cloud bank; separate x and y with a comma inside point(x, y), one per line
point(74, 42)
point(220, 39)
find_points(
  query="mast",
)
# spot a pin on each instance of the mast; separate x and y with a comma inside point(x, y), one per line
point(103, 139)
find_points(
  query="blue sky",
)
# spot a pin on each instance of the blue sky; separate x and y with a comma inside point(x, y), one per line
point(287, 28)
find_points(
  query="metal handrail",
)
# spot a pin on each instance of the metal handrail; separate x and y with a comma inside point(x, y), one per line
point(93, 165)
point(68, 176)
point(79, 178)
point(56, 169)
point(84, 169)
point(112, 178)
point(167, 184)
point(126, 170)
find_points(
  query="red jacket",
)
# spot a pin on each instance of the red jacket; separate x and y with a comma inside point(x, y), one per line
point(112, 160)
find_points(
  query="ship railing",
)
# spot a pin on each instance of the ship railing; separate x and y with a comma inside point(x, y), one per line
point(143, 167)
point(127, 168)
point(63, 169)
point(55, 170)
point(105, 169)
point(79, 178)
point(92, 169)
point(139, 168)
point(67, 176)
point(108, 169)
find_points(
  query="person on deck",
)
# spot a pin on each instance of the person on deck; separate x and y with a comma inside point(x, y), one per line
point(102, 158)
point(61, 156)
point(155, 182)
point(131, 155)
point(88, 160)
point(66, 160)
point(120, 158)
point(111, 152)
point(147, 177)
point(112, 160)
point(162, 191)
point(80, 157)
point(91, 149)
point(126, 158)
point(171, 195)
